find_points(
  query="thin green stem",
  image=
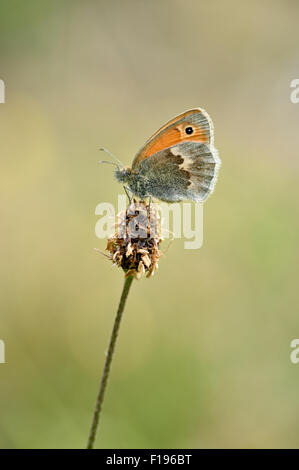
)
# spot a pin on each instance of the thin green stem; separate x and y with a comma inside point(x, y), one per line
point(109, 356)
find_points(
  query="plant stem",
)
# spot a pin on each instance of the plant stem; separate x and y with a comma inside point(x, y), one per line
point(109, 356)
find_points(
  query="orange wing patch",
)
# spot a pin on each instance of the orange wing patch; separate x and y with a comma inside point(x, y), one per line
point(176, 135)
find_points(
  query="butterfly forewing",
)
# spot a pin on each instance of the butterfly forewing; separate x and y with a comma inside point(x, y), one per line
point(174, 132)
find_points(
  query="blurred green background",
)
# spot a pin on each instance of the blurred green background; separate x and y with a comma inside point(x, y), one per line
point(203, 353)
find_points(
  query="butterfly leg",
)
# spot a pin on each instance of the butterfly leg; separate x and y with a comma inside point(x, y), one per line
point(128, 191)
point(150, 200)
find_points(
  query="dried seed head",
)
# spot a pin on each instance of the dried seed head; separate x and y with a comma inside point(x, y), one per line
point(135, 245)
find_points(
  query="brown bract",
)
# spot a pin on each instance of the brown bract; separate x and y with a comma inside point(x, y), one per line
point(135, 245)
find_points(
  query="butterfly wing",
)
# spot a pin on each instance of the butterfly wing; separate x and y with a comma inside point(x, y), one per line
point(184, 171)
point(174, 165)
point(173, 132)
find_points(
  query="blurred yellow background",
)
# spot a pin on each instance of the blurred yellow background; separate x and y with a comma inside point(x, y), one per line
point(203, 358)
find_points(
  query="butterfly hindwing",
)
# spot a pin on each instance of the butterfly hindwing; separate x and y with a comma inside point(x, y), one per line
point(187, 170)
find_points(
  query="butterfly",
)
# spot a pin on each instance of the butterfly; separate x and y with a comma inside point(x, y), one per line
point(179, 162)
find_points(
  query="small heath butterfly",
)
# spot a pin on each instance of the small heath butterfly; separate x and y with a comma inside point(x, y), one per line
point(179, 162)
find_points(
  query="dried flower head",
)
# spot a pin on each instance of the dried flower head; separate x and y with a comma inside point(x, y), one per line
point(135, 245)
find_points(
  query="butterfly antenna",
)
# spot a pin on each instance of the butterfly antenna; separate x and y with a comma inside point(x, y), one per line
point(112, 156)
point(109, 163)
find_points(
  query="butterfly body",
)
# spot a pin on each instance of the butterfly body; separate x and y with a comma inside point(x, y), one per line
point(179, 162)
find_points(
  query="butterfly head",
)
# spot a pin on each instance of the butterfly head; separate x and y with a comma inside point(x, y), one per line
point(123, 175)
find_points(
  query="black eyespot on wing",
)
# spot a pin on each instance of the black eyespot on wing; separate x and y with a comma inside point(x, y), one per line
point(189, 130)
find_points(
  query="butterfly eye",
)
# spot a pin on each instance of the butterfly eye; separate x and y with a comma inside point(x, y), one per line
point(189, 130)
